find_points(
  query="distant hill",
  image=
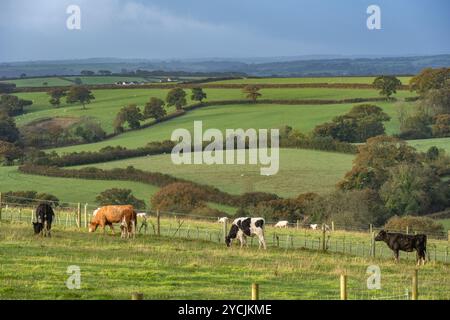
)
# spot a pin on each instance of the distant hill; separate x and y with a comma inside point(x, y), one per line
point(277, 66)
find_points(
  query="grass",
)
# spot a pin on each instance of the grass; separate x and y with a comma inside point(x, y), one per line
point(364, 80)
point(181, 269)
point(39, 82)
point(425, 144)
point(108, 102)
point(300, 171)
point(68, 190)
point(260, 116)
point(446, 223)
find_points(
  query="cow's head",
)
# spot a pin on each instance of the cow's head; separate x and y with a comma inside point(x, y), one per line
point(37, 226)
point(381, 236)
point(228, 241)
point(93, 226)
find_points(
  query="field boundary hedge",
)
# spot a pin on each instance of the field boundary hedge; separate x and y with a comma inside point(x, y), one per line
point(215, 86)
point(212, 194)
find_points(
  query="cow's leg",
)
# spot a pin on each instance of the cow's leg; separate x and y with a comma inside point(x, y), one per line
point(396, 256)
point(112, 228)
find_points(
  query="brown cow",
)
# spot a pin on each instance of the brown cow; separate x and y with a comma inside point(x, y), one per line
point(108, 215)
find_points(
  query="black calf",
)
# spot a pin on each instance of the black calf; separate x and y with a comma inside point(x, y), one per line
point(404, 242)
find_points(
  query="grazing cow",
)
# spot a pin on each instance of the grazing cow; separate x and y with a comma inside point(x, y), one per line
point(282, 224)
point(95, 212)
point(44, 217)
point(314, 226)
point(404, 242)
point(223, 220)
point(246, 227)
point(108, 215)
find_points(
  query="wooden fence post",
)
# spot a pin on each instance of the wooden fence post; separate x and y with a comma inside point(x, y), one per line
point(298, 224)
point(225, 227)
point(137, 296)
point(371, 228)
point(415, 286)
point(407, 229)
point(343, 287)
point(332, 225)
point(85, 215)
point(255, 291)
point(1, 202)
point(158, 224)
point(372, 245)
point(448, 235)
point(79, 215)
point(324, 246)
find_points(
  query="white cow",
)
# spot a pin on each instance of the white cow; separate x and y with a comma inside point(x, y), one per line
point(314, 226)
point(282, 224)
point(223, 220)
point(246, 227)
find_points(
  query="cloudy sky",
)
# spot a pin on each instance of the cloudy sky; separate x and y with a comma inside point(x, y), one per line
point(166, 29)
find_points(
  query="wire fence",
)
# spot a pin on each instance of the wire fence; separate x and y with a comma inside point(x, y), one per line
point(354, 240)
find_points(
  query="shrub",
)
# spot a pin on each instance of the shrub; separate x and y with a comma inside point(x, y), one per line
point(414, 224)
point(179, 197)
point(119, 197)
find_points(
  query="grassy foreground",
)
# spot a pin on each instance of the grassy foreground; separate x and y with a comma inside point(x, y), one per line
point(164, 268)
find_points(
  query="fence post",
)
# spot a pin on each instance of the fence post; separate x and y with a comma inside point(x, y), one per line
point(79, 215)
point(255, 291)
point(343, 287)
point(225, 227)
point(137, 296)
point(372, 245)
point(323, 238)
point(332, 225)
point(298, 224)
point(1, 201)
point(448, 235)
point(415, 286)
point(371, 228)
point(85, 215)
point(407, 229)
point(158, 224)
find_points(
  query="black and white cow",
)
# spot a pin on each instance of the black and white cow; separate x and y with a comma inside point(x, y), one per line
point(405, 242)
point(44, 217)
point(246, 227)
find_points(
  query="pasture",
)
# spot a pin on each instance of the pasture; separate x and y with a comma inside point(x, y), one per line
point(178, 269)
point(108, 102)
point(301, 171)
point(259, 116)
point(346, 80)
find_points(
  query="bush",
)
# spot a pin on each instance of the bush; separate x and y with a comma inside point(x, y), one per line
point(414, 224)
point(205, 211)
point(119, 197)
point(30, 198)
point(179, 197)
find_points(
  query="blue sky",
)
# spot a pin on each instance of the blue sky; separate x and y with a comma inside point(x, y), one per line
point(166, 29)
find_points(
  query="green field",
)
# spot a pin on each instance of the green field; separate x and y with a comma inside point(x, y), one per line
point(425, 144)
point(260, 116)
point(164, 268)
point(301, 171)
point(68, 190)
point(364, 80)
point(108, 102)
point(39, 82)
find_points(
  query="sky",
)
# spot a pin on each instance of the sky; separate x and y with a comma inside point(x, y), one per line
point(177, 29)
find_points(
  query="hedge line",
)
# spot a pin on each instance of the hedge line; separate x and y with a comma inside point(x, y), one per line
point(130, 174)
point(217, 86)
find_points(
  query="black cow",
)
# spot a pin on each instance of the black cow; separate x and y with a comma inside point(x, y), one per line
point(404, 242)
point(44, 217)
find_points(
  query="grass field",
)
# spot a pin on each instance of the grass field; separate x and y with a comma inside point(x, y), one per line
point(260, 116)
point(300, 171)
point(364, 80)
point(68, 190)
point(179, 269)
point(108, 102)
point(39, 82)
point(425, 144)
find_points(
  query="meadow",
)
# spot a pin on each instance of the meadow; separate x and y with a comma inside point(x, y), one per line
point(108, 102)
point(179, 269)
point(300, 171)
point(349, 80)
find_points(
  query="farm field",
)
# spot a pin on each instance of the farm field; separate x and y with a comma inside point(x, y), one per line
point(425, 144)
point(108, 102)
point(39, 82)
point(301, 171)
point(68, 190)
point(259, 116)
point(179, 269)
point(364, 80)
